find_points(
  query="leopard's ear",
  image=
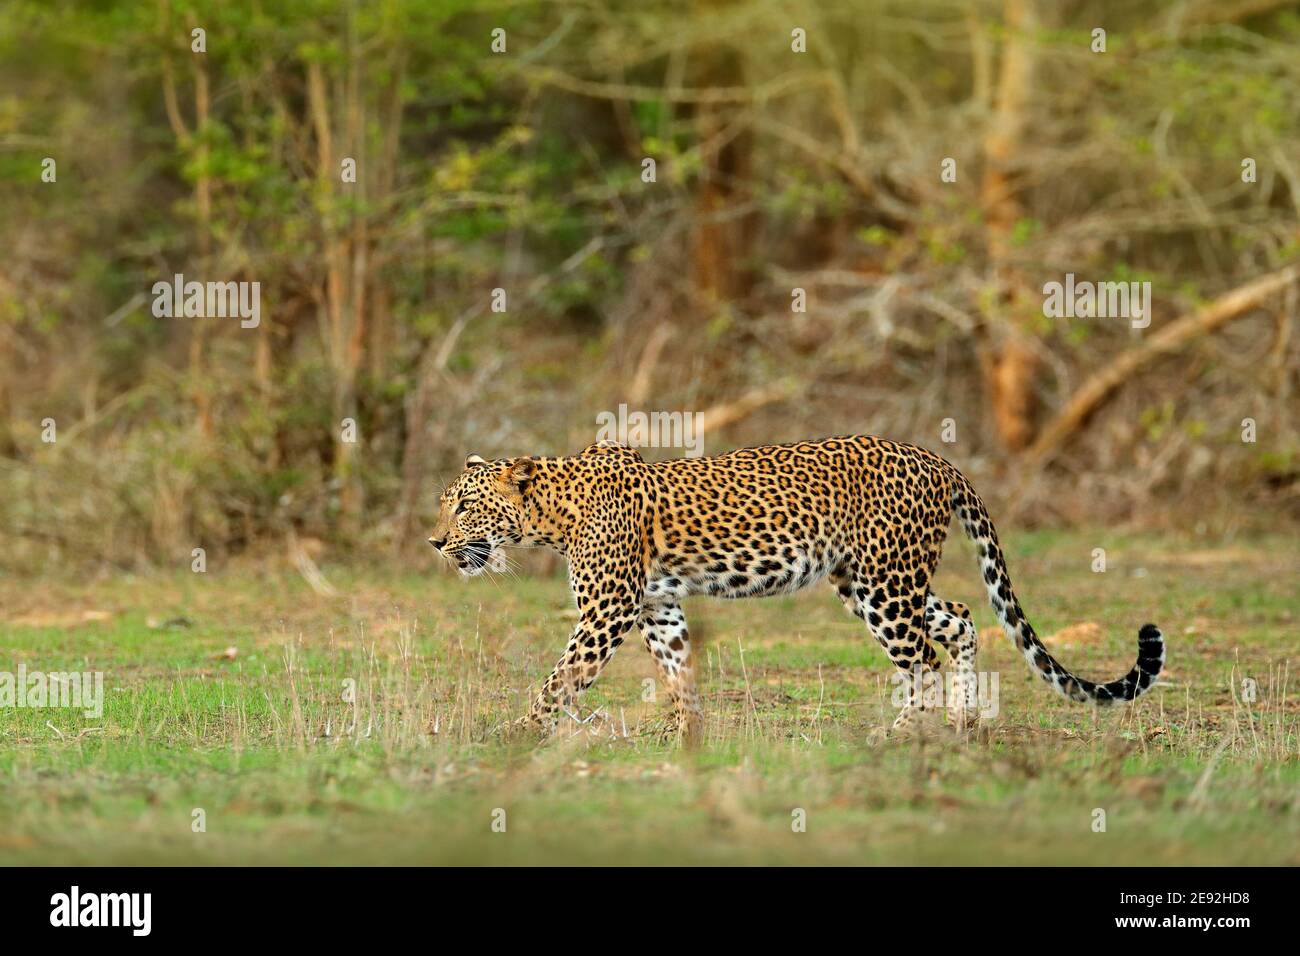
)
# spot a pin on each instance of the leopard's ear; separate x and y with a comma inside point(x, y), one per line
point(520, 473)
point(473, 461)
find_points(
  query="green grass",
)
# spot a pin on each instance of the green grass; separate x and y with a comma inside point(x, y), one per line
point(285, 770)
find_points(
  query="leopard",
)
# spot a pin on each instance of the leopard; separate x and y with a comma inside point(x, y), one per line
point(868, 515)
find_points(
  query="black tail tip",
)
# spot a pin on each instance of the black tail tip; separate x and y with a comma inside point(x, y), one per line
point(1149, 634)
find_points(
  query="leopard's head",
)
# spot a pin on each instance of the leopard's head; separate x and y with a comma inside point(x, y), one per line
point(482, 511)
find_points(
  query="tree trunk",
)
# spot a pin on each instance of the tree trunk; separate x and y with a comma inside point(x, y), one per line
point(719, 240)
point(1010, 365)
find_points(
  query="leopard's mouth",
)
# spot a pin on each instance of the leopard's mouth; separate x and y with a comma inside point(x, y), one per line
point(472, 557)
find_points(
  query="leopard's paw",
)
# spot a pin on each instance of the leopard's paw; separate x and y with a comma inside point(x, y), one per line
point(530, 727)
point(963, 720)
point(674, 727)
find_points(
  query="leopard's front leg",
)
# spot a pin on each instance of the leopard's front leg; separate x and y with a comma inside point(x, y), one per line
point(591, 646)
point(609, 603)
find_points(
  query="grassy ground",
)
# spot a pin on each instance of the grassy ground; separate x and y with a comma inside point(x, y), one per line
point(224, 692)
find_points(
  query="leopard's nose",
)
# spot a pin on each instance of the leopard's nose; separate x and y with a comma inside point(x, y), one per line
point(437, 542)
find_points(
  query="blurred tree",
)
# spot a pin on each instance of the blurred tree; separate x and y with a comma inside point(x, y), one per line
point(1011, 367)
point(521, 170)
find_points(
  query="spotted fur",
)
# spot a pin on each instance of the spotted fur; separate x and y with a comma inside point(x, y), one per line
point(869, 514)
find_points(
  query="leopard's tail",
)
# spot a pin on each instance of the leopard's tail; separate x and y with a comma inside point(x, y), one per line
point(1151, 643)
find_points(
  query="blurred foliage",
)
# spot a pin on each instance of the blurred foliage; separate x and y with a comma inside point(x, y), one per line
point(522, 171)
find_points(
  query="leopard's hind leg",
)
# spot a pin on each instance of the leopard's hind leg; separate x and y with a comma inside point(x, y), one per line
point(843, 582)
point(663, 626)
point(949, 624)
point(893, 607)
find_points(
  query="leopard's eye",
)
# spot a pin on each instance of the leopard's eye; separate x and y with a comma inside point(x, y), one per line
point(462, 505)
